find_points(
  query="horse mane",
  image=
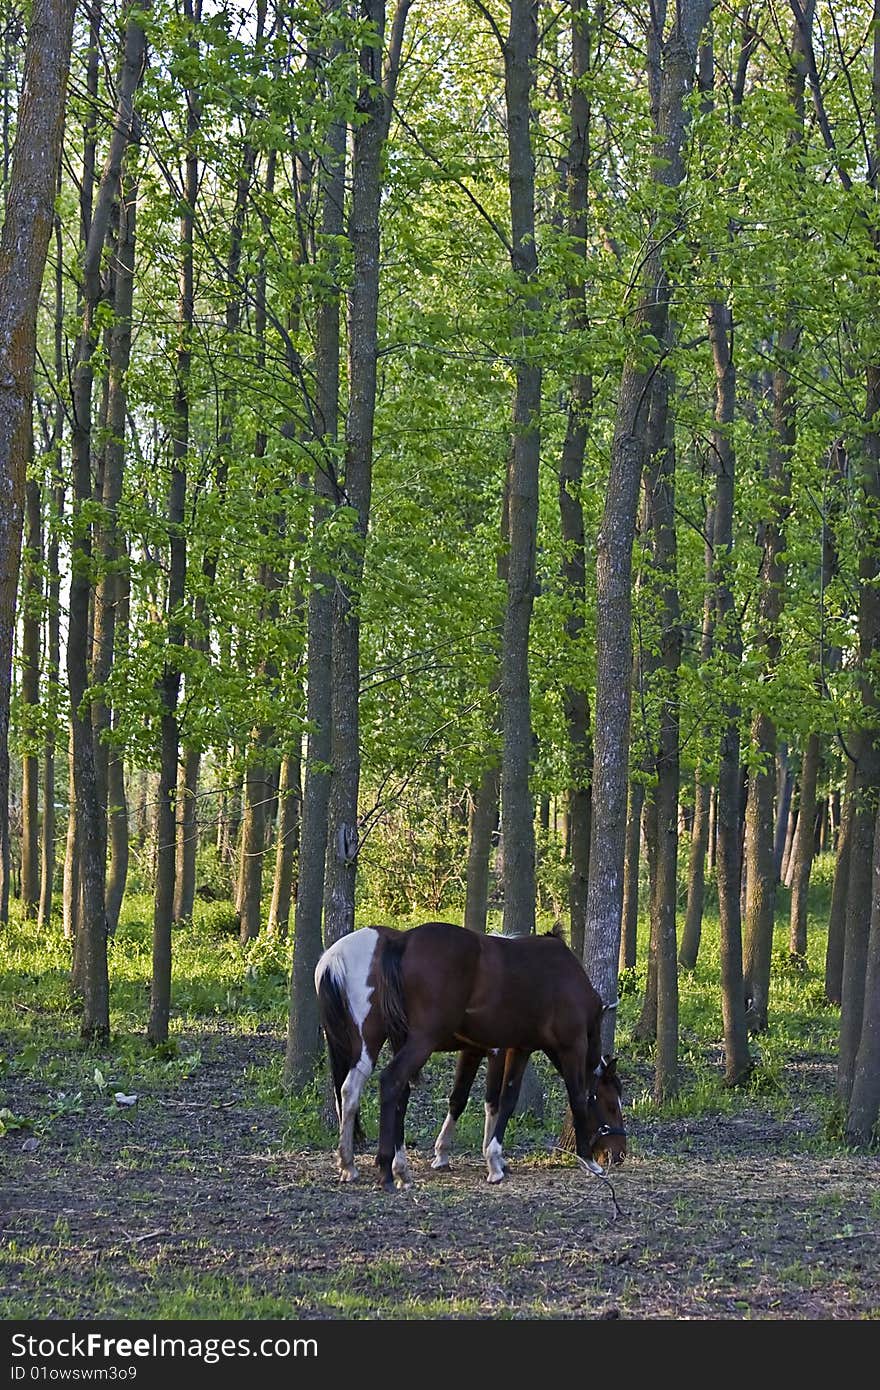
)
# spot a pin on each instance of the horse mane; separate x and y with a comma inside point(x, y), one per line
point(336, 1023)
point(389, 991)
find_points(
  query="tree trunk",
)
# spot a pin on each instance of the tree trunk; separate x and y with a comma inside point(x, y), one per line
point(696, 893)
point(863, 1110)
point(87, 783)
point(482, 824)
point(673, 77)
point(575, 701)
point(839, 895)
point(632, 856)
point(290, 806)
point(253, 842)
point(760, 882)
point(374, 105)
point(53, 600)
point(186, 812)
point(737, 1062)
point(24, 245)
point(784, 789)
point(664, 896)
point(111, 595)
point(168, 685)
point(804, 848)
point(32, 597)
point(303, 1031)
point(517, 812)
point(790, 833)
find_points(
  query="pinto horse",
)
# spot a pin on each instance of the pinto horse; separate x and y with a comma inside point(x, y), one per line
point(441, 988)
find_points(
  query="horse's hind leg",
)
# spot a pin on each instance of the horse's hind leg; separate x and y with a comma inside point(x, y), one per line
point(350, 1095)
point(515, 1063)
point(494, 1081)
point(466, 1069)
point(394, 1087)
point(400, 1162)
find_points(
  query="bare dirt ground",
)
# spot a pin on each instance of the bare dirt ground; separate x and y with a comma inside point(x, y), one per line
point(191, 1205)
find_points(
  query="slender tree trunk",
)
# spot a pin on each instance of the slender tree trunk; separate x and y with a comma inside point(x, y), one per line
point(290, 806)
point(737, 1062)
point(517, 813)
point(632, 858)
point(865, 746)
point(696, 893)
point(53, 667)
point(482, 824)
point(839, 895)
point(804, 848)
point(32, 598)
point(253, 844)
point(112, 588)
point(664, 898)
point(576, 707)
point(374, 105)
point(672, 80)
point(24, 245)
point(784, 790)
point(790, 833)
point(186, 812)
point(87, 782)
point(863, 1111)
point(303, 1031)
point(168, 685)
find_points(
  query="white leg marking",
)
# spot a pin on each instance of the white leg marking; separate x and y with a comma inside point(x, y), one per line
point(494, 1162)
point(351, 1094)
point(489, 1126)
point(444, 1144)
point(400, 1167)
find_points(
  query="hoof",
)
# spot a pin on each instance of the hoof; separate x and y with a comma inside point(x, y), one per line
point(495, 1177)
point(387, 1185)
point(402, 1183)
point(348, 1174)
point(441, 1165)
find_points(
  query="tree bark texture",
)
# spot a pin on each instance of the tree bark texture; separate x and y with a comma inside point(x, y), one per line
point(374, 104)
point(674, 80)
point(517, 809)
point(24, 245)
point(575, 700)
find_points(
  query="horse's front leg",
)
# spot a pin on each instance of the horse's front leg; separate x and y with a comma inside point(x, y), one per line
point(394, 1086)
point(494, 1081)
point(515, 1063)
point(573, 1068)
point(466, 1068)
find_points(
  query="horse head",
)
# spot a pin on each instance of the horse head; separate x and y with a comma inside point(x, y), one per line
point(608, 1142)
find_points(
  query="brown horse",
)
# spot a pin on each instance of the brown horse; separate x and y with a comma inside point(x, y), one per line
point(440, 988)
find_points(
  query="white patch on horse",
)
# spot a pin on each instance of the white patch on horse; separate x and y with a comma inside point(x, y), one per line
point(349, 961)
point(494, 1162)
point(443, 1143)
point(400, 1167)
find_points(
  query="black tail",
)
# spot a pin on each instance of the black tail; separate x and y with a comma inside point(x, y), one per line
point(337, 1025)
point(389, 992)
